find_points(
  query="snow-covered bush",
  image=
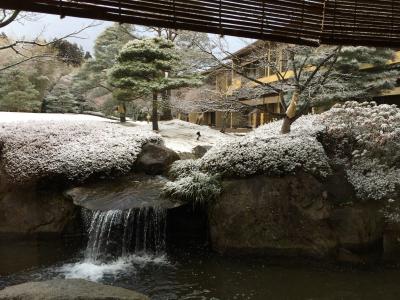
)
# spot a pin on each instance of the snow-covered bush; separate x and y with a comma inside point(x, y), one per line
point(365, 139)
point(266, 152)
point(362, 138)
point(183, 168)
point(198, 187)
point(391, 211)
point(73, 149)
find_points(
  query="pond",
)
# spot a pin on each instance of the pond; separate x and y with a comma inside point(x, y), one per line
point(196, 273)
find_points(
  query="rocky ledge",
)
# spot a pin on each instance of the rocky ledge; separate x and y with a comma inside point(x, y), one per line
point(68, 289)
point(299, 215)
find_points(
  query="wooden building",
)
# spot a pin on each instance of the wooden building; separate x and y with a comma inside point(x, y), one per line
point(261, 108)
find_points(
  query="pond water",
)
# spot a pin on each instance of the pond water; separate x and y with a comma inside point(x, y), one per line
point(195, 274)
point(131, 246)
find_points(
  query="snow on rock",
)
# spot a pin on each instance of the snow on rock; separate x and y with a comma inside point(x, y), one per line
point(74, 147)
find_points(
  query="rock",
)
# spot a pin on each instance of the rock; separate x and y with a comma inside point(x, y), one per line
point(347, 257)
point(28, 211)
point(68, 289)
point(128, 192)
point(200, 150)
point(155, 159)
point(358, 227)
point(391, 243)
point(285, 216)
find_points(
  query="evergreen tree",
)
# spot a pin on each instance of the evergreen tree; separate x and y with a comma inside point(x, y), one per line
point(17, 93)
point(191, 58)
point(106, 49)
point(60, 99)
point(68, 52)
point(93, 74)
point(141, 70)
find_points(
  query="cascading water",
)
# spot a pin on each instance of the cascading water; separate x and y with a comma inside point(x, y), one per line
point(126, 224)
point(119, 241)
point(116, 233)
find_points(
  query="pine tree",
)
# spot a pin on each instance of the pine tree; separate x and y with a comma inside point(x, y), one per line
point(141, 70)
point(70, 53)
point(93, 74)
point(191, 58)
point(107, 46)
point(60, 99)
point(17, 93)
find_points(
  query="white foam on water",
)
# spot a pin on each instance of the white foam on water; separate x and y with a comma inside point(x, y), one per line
point(96, 271)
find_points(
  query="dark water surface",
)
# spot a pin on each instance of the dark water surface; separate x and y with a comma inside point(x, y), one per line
point(196, 274)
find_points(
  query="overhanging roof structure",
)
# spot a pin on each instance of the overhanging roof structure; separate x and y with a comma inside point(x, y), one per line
point(307, 22)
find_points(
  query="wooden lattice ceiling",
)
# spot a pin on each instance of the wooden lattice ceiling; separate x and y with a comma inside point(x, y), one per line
point(308, 22)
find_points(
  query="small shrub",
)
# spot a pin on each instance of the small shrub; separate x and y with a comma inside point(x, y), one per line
point(183, 168)
point(197, 187)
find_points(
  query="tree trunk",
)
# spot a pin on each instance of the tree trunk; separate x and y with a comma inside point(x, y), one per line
point(290, 113)
point(155, 112)
point(224, 119)
point(287, 123)
point(122, 112)
point(167, 113)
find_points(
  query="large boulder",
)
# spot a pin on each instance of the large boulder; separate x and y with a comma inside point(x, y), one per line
point(28, 211)
point(285, 216)
point(200, 150)
point(68, 289)
point(358, 226)
point(391, 243)
point(127, 192)
point(155, 159)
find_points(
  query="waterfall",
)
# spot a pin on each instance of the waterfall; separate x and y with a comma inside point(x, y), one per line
point(116, 233)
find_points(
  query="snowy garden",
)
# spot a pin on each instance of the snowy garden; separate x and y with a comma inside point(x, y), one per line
point(361, 138)
point(194, 165)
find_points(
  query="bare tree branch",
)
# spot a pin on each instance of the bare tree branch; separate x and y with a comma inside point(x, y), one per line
point(8, 19)
point(24, 61)
point(35, 42)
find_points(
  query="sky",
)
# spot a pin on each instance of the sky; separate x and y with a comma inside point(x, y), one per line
point(51, 26)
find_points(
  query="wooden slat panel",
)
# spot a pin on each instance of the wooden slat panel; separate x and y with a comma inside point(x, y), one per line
point(309, 22)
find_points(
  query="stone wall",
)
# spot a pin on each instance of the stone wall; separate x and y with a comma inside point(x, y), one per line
point(296, 216)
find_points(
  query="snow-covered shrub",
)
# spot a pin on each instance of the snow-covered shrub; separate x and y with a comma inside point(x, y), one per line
point(391, 211)
point(263, 152)
point(304, 126)
point(373, 180)
point(183, 168)
point(365, 139)
point(198, 187)
point(72, 149)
